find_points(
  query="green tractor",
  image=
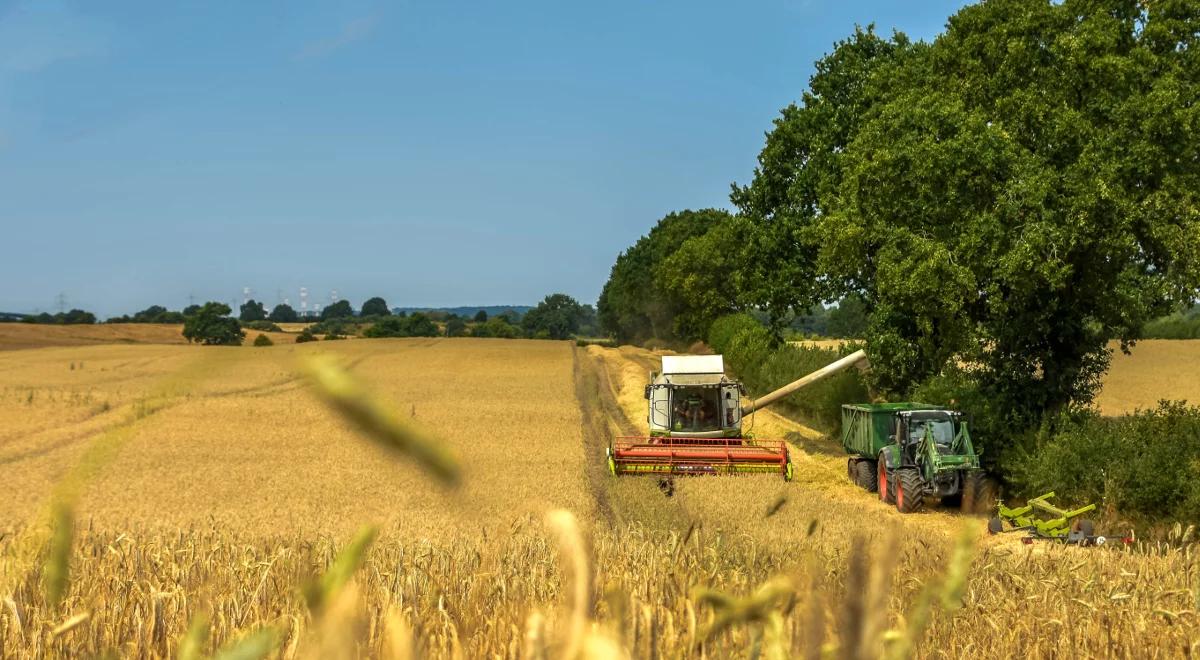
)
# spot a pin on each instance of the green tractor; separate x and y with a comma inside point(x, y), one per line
point(912, 454)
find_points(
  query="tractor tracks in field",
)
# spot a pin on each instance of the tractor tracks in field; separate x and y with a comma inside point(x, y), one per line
point(597, 407)
point(136, 411)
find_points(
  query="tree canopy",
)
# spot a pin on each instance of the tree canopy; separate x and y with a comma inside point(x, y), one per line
point(283, 313)
point(375, 307)
point(557, 317)
point(212, 325)
point(252, 311)
point(634, 304)
point(338, 310)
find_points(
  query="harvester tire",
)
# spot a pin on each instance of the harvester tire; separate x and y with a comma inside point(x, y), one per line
point(910, 490)
point(865, 474)
point(886, 483)
point(979, 494)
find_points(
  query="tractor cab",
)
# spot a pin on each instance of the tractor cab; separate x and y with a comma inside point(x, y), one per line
point(940, 426)
point(693, 398)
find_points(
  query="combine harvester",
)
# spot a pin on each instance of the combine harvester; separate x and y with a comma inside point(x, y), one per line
point(695, 418)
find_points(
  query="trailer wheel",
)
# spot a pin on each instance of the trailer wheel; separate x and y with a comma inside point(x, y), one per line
point(910, 491)
point(865, 474)
point(886, 485)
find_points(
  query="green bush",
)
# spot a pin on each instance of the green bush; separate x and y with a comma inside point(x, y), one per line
point(261, 326)
point(306, 335)
point(263, 340)
point(1176, 326)
point(1145, 465)
point(763, 363)
point(496, 326)
point(415, 325)
point(334, 326)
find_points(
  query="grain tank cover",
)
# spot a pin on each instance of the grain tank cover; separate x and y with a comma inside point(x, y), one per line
point(693, 364)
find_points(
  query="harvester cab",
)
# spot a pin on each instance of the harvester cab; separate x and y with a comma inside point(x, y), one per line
point(692, 397)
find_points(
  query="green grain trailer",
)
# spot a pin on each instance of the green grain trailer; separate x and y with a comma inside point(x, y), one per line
point(913, 452)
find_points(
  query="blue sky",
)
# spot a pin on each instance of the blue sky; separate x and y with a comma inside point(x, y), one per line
point(435, 153)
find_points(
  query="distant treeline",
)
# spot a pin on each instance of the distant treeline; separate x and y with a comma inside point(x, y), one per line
point(558, 316)
point(75, 316)
point(467, 311)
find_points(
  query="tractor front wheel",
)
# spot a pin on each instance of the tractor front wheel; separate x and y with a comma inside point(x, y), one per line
point(910, 490)
point(885, 482)
point(979, 493)
point(864, 471)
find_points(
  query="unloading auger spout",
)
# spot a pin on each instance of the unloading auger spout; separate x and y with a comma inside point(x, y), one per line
point(857, 358)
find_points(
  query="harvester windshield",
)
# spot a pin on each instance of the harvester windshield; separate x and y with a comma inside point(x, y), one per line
point(696, 409)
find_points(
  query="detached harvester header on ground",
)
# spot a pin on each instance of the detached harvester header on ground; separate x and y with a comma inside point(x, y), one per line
point(695, 418)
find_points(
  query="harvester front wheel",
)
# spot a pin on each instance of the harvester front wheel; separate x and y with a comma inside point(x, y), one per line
point(885, 482)
point(910, 490)
point(864, 471)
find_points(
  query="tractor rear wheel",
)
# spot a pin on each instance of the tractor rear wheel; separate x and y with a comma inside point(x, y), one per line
point(885, 483)
point(910, 490)
point(979, 493)
point(865, 474)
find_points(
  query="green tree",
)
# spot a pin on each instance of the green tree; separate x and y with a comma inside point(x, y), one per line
point(150, 315)
point(252, 311)
point(456, 327)
point(283, 313)
point(338, 310)
point(498, 327)
point(77, 316)
point(212, 325)
point(849, 319)
point(375, 307)
point(633, 305)
point(190, 310)
point(1013, 195)
point(420, 325)
point(709, 276)
point(557, 317)
point(481, 316)
point(414, 325)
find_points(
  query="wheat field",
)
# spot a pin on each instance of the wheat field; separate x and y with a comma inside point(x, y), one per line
point(212, 487)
